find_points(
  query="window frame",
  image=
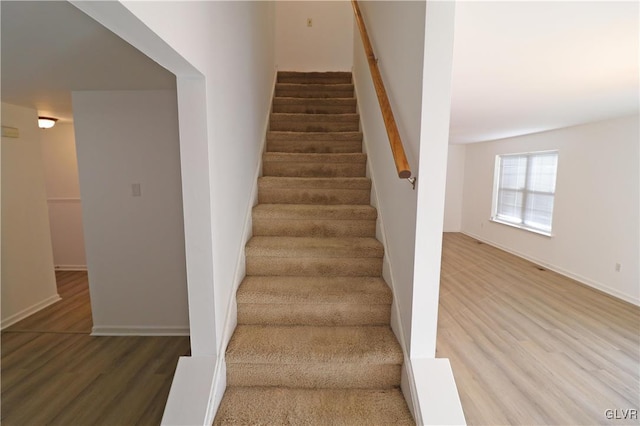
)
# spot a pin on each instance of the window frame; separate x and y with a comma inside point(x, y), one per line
point(525, 191)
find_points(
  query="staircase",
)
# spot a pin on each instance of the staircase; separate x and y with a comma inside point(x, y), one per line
point(313, 343)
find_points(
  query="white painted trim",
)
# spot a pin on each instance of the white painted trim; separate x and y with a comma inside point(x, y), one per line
point(582, 280)
point(64, 200)
point(139, 331)
point(409, 387)
point(219, 376)
point(19, 316)
point(437, 392)
point(408, 384)
point(191, 390)
point(71, 267)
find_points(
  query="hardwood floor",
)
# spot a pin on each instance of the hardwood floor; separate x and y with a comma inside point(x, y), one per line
point(54, 372)
point(529, 346)
point(72, 314)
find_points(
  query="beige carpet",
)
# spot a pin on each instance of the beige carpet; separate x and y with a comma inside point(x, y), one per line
point(313, 344)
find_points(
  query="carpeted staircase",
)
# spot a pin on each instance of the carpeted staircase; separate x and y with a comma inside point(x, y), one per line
point(313, 344)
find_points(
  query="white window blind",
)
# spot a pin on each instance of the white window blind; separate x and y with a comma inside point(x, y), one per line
point(524, 192)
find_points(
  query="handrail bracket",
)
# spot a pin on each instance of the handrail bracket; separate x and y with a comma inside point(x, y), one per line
point(412, 181)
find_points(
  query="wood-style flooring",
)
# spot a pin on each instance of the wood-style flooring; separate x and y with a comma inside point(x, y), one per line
point(54, 372)
point(529, 346)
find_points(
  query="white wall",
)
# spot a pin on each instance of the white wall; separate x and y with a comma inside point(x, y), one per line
point(454, 189)
point(63, 196)
point(414, 45)
point(596, 212)
point(325, 46)
point(434, 140)
point(223, 56)
point(232, 44)
point(390, 25)
point(28, 280)
point(134, 245)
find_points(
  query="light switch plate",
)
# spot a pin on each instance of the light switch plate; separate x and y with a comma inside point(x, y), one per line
point(10, 132)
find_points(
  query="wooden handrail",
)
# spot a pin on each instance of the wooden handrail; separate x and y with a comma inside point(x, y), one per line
point(400, 158)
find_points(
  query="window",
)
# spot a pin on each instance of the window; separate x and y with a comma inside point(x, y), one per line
point(524, 191)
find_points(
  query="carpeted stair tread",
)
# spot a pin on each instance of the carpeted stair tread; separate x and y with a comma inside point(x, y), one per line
point(314, 142)
point(305, 211)
point(305, 247)
point(314, 105)
point(314, 290)
point(314, 165)
point(287, 157)
point(285, 406)
point(314, 227)
point(315, 183)
point(314, 190)
point(345, 87)
point(334, 118)
point(355, 375)
point(315, 136)
point(312, 220)
point(322, 123)
point(314, 266)
point(307, 344)
point(293, 90)
point(315, 301)
point(335, 77)
point(331, 314)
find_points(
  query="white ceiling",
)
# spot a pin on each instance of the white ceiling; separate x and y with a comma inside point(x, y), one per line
point(524, 67)
point(50, 48)
point(519, 67)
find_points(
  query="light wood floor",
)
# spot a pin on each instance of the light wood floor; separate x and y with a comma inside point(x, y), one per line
point(529, 346)
point(54, 372)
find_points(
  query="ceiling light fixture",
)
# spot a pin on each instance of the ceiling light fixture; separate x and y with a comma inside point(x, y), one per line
point(46, 122)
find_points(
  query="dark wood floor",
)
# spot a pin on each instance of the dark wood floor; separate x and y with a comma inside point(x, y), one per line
point(54, 372)
point(529, 346)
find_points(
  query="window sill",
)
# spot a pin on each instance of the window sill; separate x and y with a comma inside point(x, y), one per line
point(524, 228)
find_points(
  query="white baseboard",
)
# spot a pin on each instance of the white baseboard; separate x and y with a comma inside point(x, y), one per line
point(191, 390)
point(582, 280)
point(70, 267)
point(19, 316)
point(139, 331)
point(218, 386)
point(437, 392)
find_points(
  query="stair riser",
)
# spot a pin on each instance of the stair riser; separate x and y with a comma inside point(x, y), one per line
point(313, 314)
point(319, 147)
point(353, 376)
point(286, 406)
point(314, 118)
point(305, 212)
point(327, 126)
point(333, 106)
point(335, 137)
point(308, 266)
point(313, 196)
point(286, 92)
point(317, 78)
point(311, 109)
point(314, 228)
point(292, 169)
